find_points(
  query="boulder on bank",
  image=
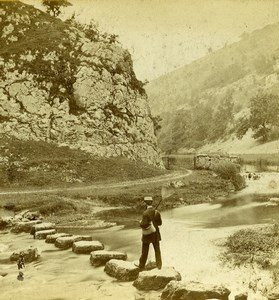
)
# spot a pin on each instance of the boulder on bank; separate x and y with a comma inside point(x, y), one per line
point(51, 238)
point(122, 270)
point(30, 255)
point(28, 215)
point(6, 222)
point(85, 247)
point(42, 234)
point(194, 290)
point(24, 226)
point(67, 241)
point(42, 226)
point(32, 215)
point(156, 279)
point(101, 257)
point(21, 215)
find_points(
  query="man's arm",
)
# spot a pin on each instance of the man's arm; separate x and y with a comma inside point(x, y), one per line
point(158, 218)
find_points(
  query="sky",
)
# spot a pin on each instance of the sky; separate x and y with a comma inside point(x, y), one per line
point(163, 35)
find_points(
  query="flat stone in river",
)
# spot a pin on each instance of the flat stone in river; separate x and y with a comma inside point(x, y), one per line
point(85, 247)
point(156, 279)
point(66, 242)
point(101, 257)
point(194, 290)
point(122, 270)
point(42, 234)
point(42, 226)
point(51, 238)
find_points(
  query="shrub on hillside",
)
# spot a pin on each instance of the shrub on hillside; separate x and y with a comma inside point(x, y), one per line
point(230, 171)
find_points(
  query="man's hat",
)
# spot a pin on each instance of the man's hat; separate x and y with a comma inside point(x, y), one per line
point(148, 200)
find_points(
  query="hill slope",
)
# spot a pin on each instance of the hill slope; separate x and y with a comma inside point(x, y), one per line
point(229, 76)
point(70, 84)
point(41, 164)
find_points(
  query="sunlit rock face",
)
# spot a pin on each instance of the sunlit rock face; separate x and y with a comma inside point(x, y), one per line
point(63, 83)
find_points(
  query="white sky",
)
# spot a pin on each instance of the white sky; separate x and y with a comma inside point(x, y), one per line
point(163, 35)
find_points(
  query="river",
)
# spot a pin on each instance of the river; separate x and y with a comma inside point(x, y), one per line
point(191, 238)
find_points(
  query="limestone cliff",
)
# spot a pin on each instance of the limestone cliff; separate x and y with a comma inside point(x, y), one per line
point(64, 83)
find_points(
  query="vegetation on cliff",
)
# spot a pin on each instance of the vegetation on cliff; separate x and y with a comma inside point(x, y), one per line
point(70, 83)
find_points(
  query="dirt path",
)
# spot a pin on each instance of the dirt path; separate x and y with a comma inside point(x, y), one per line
point(173, 176)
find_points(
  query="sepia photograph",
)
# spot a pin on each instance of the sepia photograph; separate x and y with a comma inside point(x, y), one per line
point(139, 149)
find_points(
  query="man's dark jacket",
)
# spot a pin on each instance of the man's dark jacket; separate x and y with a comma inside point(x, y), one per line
point(151, 215)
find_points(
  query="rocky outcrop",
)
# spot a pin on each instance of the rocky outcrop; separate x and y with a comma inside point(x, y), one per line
point(21, 222)
point(122, 270)
point(30, 255)
point(194, 290)
point(86, 247)
point(101, 257)
point(156, 279)
point(74, 87)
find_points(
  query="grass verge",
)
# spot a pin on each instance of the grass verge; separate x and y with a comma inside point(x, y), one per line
point(124, 203)
point(258, 245)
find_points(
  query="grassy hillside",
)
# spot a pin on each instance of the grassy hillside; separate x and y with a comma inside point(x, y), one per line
point(32, 163)
point(236, 72)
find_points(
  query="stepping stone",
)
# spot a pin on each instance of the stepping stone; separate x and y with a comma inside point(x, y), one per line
point(101, 257)
point(66, 242)
point(24, 226)
point(194, 290)
point(86, 238)
point(156, 279)
point(122, 270)
point(85, 247)
point(42, 234)
point(42, 226)
point(30, 254)
point(50, 239)
point(241, 296)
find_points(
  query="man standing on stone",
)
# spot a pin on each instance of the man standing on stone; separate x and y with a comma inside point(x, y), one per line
point(151, 220)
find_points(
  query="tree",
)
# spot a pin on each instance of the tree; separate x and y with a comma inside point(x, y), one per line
point(156, 123)
point(53, 7)
point(222, 117)
point(264, 109)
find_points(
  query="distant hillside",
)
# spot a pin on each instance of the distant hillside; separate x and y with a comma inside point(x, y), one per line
point(197, 95)
point(71, 84)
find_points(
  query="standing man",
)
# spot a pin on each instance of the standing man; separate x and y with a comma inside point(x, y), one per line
point(151, 220)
